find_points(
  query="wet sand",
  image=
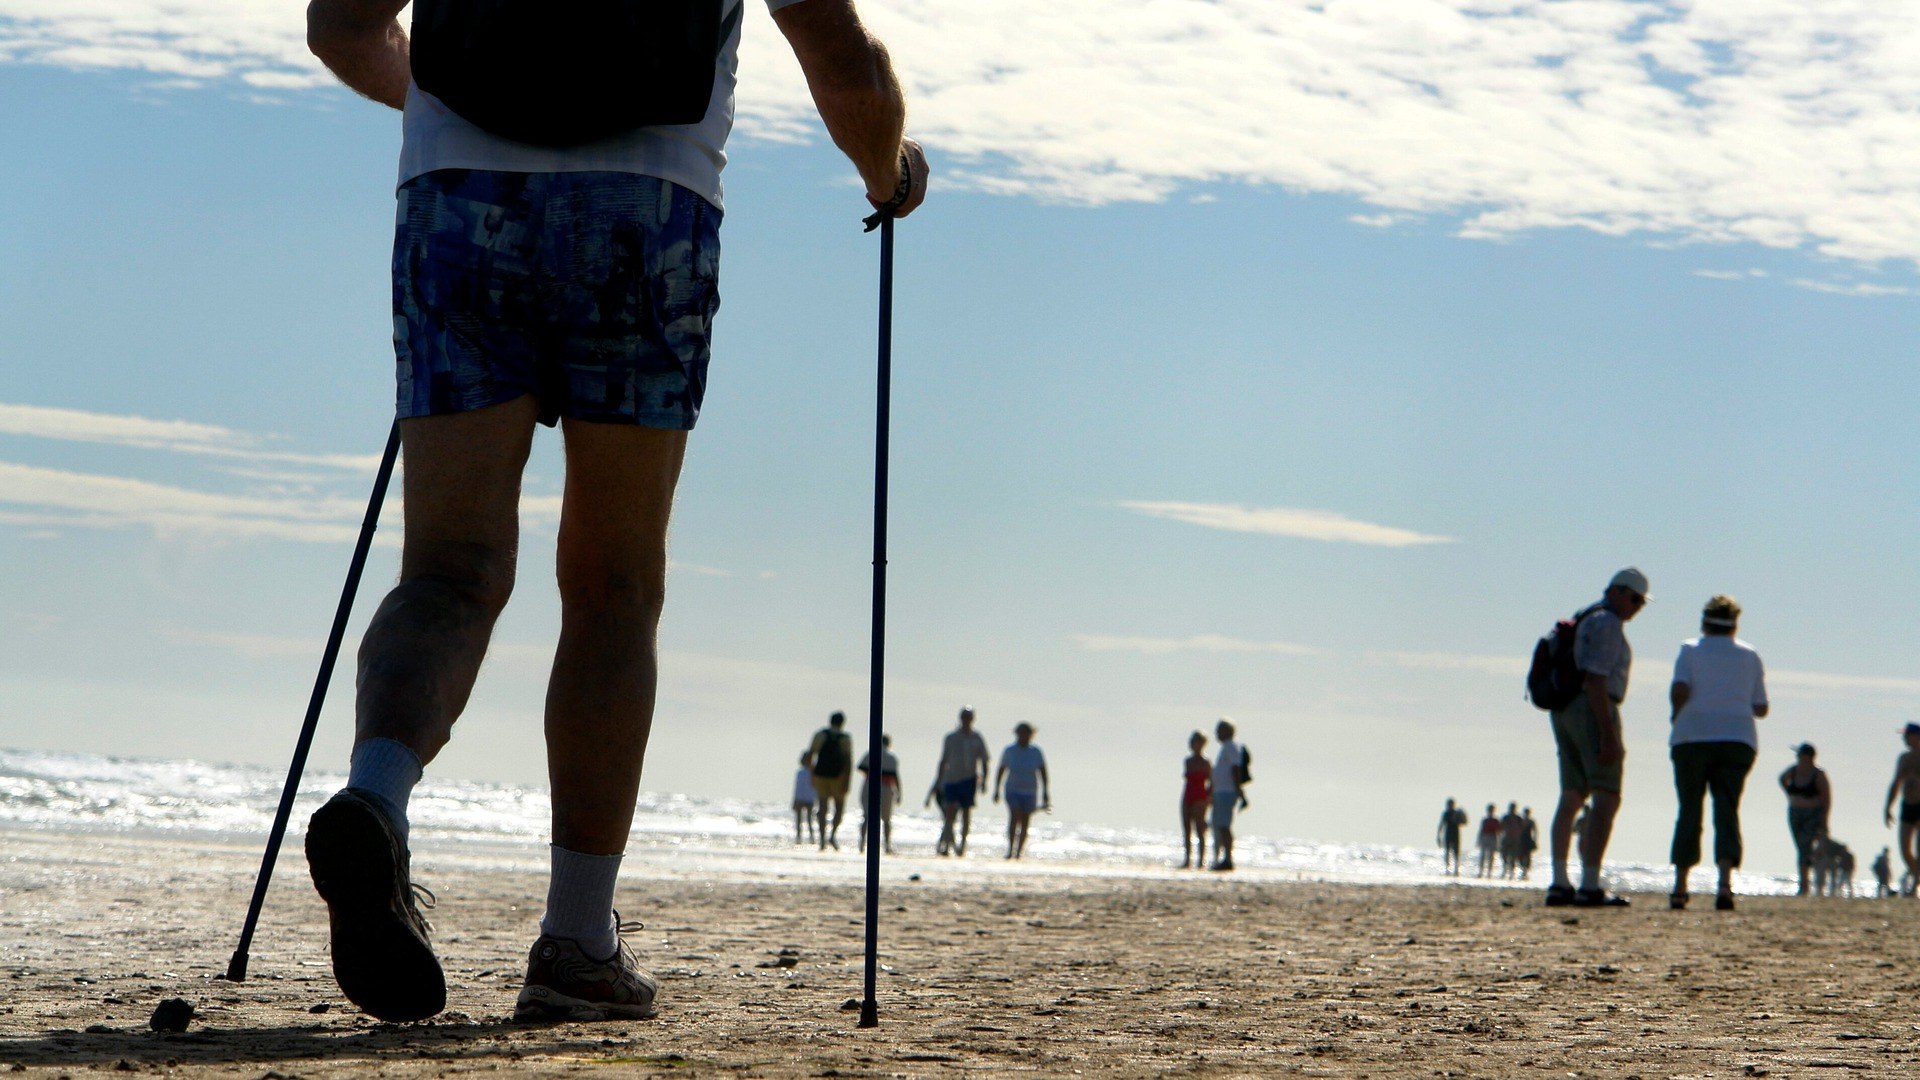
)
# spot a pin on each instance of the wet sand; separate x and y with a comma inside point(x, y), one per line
point(1043, 974)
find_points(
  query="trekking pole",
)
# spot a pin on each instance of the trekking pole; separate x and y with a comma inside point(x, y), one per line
point(876, 739)
point(237, 967)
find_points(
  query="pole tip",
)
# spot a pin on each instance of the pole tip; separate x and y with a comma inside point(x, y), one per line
point(869, 1013)
point(237, 967)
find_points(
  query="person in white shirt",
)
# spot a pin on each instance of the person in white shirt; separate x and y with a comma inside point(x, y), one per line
point(1023, 771)
point(803, 799)
point(1229, 773)
point(1719, 689)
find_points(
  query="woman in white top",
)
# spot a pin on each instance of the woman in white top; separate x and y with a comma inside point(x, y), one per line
point(1719, 690)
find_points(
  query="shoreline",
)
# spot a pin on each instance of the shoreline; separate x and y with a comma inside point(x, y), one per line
point(1051, 975)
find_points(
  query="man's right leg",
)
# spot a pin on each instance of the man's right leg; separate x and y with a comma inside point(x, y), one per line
point(1593, 846)
point(418, 662)
point(1907, 831)
point(1560, 836)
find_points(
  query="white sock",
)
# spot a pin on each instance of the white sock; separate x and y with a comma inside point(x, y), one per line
point(580, 901)
point(1560, 873)
point(387, 769)
point(1590, 876)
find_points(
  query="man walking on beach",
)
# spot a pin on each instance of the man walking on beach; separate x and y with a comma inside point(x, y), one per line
point(1023, 768)
point(1452, 820)
point(1591, 747)
point(541, 284)
point(830, 756)
point(1906, 788)
point(1513, 835)
point(1229, 775)
point(961, 775)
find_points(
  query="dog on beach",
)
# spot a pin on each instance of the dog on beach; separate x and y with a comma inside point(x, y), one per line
point(1833, 867)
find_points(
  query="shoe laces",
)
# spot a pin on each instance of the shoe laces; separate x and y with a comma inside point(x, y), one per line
point(423, 895)
point(627, 926)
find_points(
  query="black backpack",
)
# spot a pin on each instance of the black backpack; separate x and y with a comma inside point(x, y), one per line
point(566, 72)
point(831, 760)
point(1553, 679)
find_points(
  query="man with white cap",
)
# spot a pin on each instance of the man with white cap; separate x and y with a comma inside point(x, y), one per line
point(1587, 733)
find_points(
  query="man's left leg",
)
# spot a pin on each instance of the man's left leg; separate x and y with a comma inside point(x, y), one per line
point(417, 664)
point(612, 571)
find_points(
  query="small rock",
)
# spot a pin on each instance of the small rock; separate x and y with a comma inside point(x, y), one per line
point(325, 1006)
point(913, 877)
point(171, 1015)
point(850, 1005)
point(123, 1065)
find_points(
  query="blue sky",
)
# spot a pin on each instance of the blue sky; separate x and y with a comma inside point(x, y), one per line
point(1226, 399)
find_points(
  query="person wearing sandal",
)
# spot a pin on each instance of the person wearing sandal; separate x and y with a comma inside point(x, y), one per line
point(1719, 689)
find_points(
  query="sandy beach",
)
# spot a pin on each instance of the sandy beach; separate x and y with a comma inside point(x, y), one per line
point(1045, 973)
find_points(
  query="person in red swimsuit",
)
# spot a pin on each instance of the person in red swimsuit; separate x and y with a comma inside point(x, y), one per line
point(1195, 797)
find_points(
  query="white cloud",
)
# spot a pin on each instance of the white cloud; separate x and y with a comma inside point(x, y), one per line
point(1503, 666)
point(1731, 275)
point(1855, 288)
point(1777, 122)
point(179, 436)
point(1323, 525)
point(1375, 221)
point(1213, 643)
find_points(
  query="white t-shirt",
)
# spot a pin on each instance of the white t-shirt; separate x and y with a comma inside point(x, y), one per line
point(1726, 683)
point(803, 785)
point(1226, 765)
point(690, 155)
point(1023, 765)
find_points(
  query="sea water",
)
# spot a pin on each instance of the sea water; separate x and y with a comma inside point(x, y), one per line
point(484, 825)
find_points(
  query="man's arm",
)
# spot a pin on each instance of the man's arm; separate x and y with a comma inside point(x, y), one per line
point(857, 94)
point(362, 43)
point(1046, 786)
point(1893, 789)
point(999, 777)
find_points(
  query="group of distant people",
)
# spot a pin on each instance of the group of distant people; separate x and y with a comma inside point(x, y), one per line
point(821, 786)
point(1511, 838)
point(1717, 693)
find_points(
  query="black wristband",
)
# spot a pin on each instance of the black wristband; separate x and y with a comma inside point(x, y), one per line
point(900, 195)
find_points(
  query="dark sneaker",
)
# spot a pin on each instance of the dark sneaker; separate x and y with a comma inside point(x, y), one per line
point(381, 957)
point(564, 983)
point(1598, 898)
point(1559, 895)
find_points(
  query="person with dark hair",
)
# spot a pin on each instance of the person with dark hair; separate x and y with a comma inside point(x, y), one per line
point(1023, 771)
point(1719, 689)
point(1513, 836)
point(1906, 788)
point(1452, 820)
point(555, 260)
point(1229, 779)
point(1196, 793)
point(1809, 801)
point(830, 756)
point(803, 799)
point(1487, 843)
point(889, 792)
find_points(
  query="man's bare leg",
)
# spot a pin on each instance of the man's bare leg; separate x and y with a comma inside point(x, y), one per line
point(1593, 847)
point(1908, 856)
point(423, 648)
point(1560, 835)
point(612, 570)
point(417, 665)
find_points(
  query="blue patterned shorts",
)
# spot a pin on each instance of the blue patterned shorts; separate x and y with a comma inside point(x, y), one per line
point(593, 291)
